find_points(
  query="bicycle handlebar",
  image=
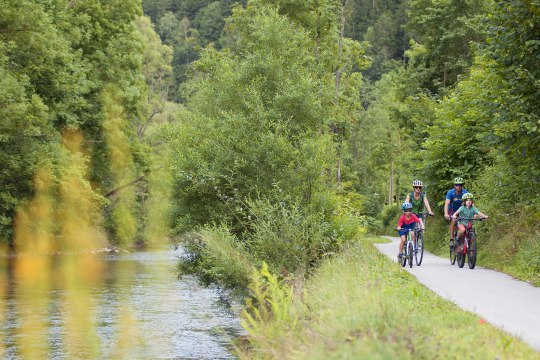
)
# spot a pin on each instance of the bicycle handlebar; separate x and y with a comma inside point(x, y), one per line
point(473, 219)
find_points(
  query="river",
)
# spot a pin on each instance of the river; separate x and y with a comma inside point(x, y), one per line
point(137, 308)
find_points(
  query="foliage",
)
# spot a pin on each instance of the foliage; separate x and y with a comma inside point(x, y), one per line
point(215, 255)
point(77, 67)
point(269, 311)
point(446, 30)
point(514, 47)
point(252, 124)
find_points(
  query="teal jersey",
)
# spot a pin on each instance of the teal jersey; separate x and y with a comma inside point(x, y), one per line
point(467, 213)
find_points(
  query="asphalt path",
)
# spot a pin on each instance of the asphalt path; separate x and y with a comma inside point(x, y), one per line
point(507, 303)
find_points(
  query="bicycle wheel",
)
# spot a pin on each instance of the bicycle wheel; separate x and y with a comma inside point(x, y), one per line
point(419, 253)
point(403, 261)
point(411, 253)
point(471, 256)
point(452, 255)
point(460, 258)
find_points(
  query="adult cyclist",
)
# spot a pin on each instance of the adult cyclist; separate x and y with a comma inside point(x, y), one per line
point(418, 199)
point(452, 203)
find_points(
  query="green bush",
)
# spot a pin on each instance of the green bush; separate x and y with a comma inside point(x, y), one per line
point(291, 237)
point(389, 217)
point(215, 255)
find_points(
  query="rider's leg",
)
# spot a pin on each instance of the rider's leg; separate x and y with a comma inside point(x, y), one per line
point(402, 243)
point(452, 225)
point(461, 231)
point(459, 240)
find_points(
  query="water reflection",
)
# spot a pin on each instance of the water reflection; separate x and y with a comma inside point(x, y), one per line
point(131, 306)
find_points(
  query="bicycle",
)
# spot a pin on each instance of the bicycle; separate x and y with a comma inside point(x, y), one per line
point(408, 249)
point(467, 247)
point(419, 236)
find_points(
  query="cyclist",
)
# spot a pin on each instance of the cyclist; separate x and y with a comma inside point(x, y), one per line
point(418, 199)
point(406, 221)
point(452, 203)
point(467, 211)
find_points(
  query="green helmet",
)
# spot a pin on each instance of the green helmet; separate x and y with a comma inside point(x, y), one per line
point(467, 196)
point(458, 180)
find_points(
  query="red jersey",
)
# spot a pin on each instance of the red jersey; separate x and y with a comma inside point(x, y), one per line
point(404, 222)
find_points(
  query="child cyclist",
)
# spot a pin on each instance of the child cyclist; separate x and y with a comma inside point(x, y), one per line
point(467, 211)
point(406, 222)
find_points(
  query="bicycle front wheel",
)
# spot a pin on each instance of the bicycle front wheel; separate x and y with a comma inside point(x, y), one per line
point(411, 252)
point(471, 251)
point(452, 255)
point(419, 253)
point(460, 256)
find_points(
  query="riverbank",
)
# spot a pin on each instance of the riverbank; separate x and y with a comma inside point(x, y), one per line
point(360, 304)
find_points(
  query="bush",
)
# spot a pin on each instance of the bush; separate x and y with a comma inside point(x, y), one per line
point(215, 255)
point(289, 237)
point(389, 217)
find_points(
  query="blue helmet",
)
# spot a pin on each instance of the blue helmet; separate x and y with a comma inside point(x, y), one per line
point(406, 205)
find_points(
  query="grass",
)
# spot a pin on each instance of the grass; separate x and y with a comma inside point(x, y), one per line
point(360, 304)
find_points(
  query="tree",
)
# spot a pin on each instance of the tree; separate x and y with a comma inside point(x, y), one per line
point(446, 30)
point(253, 122)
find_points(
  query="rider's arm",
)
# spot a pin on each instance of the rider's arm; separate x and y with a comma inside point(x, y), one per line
point(446, 203)
point(399, 223)
point(408, 198)
point(482, 215)
point(426, 203)
point(421, 224)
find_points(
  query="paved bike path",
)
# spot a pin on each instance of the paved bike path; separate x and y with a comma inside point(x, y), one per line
point(507, 303)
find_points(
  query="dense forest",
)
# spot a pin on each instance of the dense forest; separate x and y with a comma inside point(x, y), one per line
point(267, 131)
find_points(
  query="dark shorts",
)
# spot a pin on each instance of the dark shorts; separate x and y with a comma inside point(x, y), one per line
point(405, 230)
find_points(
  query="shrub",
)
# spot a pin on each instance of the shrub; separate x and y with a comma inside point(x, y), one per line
point(215, 255)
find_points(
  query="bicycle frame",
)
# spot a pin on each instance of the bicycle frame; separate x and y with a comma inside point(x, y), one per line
point(408, 248)
point(466, 235)
point(467, 244)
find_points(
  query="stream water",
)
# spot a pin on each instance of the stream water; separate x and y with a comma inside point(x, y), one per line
point(136, 309)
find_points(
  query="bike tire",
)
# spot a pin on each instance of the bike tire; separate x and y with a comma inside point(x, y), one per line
point(419, 254)
point(471, 251)
point(411, 252)
point(453, 254)
point(460, 258)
